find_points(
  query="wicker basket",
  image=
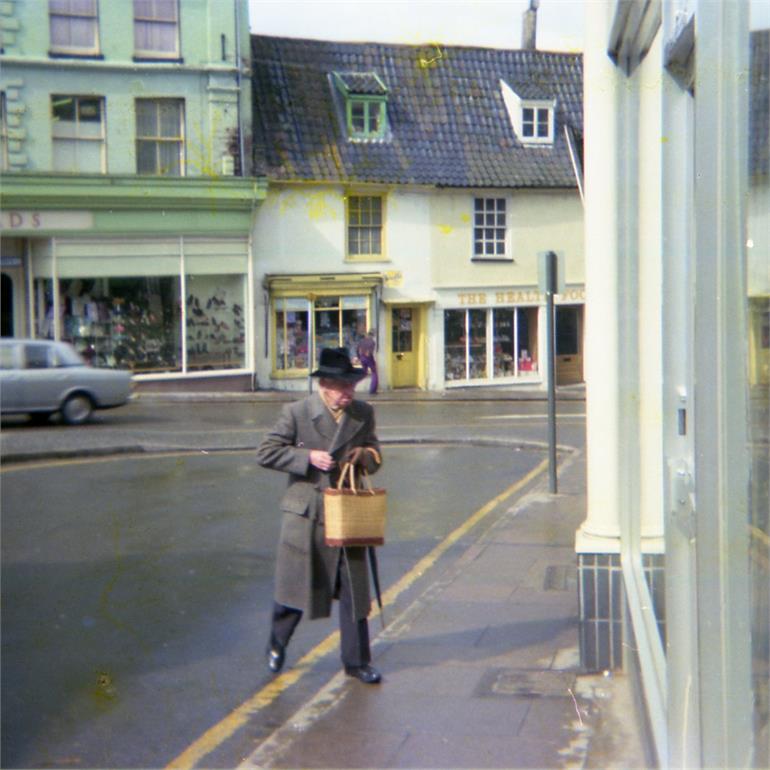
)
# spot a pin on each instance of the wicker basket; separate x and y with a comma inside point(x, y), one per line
point(354, 515)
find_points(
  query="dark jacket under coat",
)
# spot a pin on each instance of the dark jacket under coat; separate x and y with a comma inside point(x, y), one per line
point(306, 569)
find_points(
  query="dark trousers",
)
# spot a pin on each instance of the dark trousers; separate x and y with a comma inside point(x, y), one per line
point(354, 634)
point(370, 364)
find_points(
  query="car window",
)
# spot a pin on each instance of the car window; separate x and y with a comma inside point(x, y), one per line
point(38, 356)
point(7, 356)
point(67, 356)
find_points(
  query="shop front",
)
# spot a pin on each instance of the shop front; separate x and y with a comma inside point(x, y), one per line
point(305, 313)
point(154, 306)
point(494, 337)
point(154, 276)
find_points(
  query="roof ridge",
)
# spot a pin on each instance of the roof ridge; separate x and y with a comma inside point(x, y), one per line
point(411, 46)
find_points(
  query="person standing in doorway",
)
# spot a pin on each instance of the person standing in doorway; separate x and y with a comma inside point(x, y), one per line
point(365, 353)
point(310, 441)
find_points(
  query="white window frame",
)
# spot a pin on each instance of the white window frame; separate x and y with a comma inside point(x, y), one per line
point(78, 136)
point(153, 20)
point(159, 139)
point(481, 227)
point(530, 132)
point(68, 12)
point(370, 256)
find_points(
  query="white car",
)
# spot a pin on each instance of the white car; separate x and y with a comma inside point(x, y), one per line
point(41, 377)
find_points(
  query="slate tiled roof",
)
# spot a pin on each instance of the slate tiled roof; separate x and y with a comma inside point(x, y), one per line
point(362, 83)
point(448, 124)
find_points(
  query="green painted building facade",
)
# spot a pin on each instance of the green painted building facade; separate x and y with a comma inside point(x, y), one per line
point(127, 192)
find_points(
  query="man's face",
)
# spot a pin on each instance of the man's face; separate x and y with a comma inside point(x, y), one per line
point(338, 394)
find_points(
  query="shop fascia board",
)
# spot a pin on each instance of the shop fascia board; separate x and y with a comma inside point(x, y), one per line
point(407, 301)
point(302, 285)
point(51, 192)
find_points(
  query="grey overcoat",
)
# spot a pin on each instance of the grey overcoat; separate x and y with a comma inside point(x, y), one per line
point(306, 569)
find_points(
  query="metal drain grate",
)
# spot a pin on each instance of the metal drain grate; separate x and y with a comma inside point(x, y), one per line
point(528, 683)
point(560, 577)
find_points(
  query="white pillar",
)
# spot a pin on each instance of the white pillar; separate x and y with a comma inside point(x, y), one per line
point(600, 532)
point(651, 140)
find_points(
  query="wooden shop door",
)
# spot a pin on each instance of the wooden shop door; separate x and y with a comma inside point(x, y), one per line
point(404, 344)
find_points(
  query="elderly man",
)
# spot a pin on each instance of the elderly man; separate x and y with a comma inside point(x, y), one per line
point(310, 441)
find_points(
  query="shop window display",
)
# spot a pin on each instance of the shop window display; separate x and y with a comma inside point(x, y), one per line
point(477, 347)
point(291, 333)
point(338, 321)
point(129, 323)
point(136, 323)
point(467, 343)
point(526, 341)
point(504, 341)
point(215, 322)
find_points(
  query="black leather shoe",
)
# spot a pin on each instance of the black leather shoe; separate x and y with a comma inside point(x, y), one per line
point(365, 674)
point(276, 655)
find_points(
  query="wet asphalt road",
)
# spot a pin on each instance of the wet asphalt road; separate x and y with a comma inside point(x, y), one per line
point(136, 588)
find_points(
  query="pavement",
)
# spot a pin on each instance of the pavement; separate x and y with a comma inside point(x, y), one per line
point(481, 669)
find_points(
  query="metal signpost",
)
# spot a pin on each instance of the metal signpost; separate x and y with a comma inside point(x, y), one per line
point(310, 342)
point(551, 282)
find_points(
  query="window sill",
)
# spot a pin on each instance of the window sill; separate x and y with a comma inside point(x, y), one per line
point(361, 139)
point(181, 175)
point(157, 59)
point(63, 54)
point(492, 259)
point(367, 258)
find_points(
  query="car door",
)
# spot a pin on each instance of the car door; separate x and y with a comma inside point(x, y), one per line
point(45, 382)
point(11, 389)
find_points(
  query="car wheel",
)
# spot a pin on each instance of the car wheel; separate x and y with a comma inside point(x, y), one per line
point(77, 409)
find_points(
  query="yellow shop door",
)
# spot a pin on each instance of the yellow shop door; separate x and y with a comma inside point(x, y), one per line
point(405, 338)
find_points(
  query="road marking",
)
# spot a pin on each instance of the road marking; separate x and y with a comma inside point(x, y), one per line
point(23, 465)
point(219, 733)
point(568, 416)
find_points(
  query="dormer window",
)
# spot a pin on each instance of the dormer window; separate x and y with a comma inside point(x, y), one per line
point(536, 124)
point(531, 116)
point(365, 118)
point(366, 99)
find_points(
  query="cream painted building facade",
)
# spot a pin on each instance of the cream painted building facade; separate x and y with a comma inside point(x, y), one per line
point(442, 318)
point(409, 224)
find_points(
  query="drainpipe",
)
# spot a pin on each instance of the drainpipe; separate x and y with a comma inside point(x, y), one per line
point(239, 87)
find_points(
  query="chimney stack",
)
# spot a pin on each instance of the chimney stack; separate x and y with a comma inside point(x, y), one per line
point(529, 27)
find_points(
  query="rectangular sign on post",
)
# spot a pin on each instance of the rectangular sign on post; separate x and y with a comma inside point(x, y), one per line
point(542, 271)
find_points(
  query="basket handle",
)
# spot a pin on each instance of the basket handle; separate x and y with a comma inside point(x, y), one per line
point(348, 469)
point(367, 482)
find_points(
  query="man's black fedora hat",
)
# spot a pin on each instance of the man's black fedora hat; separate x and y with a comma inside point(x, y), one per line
point(335, 364)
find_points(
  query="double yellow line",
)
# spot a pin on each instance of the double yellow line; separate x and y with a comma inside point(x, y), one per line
point(219, 733)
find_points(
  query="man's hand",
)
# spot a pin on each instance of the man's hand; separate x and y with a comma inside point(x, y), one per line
point(321, 460)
